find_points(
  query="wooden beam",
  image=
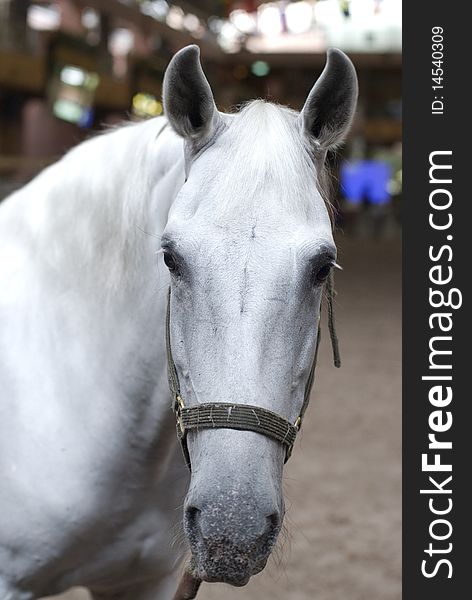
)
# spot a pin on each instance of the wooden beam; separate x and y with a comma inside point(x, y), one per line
point(133, 15)
point(314, 60)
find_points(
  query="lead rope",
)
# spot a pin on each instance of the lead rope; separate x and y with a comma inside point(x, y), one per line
point(189, 585)
point(331, 295)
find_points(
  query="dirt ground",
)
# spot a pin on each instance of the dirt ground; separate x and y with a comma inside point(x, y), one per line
point(343, 483)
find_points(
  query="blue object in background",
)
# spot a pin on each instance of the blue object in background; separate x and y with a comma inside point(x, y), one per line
point(86, 120)
point(366, 180)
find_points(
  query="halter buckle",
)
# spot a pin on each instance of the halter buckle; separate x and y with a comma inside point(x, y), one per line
point(178, 404)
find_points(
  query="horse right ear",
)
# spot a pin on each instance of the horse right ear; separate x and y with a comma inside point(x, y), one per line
point(188, 99)
point(330, 106)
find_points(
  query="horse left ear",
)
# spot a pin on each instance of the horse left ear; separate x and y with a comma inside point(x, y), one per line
point(330, 106)
point(188, 99)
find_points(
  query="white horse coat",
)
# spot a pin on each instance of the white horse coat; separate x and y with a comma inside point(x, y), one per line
point(92, 478)
point(86, 431)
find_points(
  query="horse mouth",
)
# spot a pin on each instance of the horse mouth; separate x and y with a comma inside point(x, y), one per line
point(233, 570)
point(239, 582)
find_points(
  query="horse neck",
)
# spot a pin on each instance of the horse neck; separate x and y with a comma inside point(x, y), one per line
point(106, 204)
point(92, 224)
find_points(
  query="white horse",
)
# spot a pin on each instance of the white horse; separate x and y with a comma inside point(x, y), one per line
point(92, 477)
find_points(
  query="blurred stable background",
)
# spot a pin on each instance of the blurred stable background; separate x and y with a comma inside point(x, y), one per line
point(69, 68)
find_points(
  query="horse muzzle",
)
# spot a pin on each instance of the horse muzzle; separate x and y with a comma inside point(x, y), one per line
point(229, 543)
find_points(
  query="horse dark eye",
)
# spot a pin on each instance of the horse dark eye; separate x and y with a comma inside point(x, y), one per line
point(170, 262)
point(322, 273)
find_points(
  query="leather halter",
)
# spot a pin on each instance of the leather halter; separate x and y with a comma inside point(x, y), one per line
point(224, 415)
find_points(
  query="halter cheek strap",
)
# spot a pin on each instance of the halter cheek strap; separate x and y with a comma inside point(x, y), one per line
point(243, 417)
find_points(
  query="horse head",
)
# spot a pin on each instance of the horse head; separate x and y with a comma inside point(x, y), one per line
point(249, 247)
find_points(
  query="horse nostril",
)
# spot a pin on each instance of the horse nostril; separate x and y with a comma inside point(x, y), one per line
point(192, 518)
point(272, 524)
point(192, 514)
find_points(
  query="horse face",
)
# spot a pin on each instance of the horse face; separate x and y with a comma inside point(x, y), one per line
point(249, 246)
point(243, 329)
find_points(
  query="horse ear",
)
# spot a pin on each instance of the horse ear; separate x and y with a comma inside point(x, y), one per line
point(330, 106)
point(188, 99)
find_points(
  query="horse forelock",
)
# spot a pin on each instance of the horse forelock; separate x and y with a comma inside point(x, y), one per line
point(262, 153)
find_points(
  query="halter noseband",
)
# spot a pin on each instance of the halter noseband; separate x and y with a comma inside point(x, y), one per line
point(243, 417)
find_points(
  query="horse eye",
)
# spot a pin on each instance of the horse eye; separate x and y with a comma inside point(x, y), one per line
point(170, 262)
point(322, 273)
